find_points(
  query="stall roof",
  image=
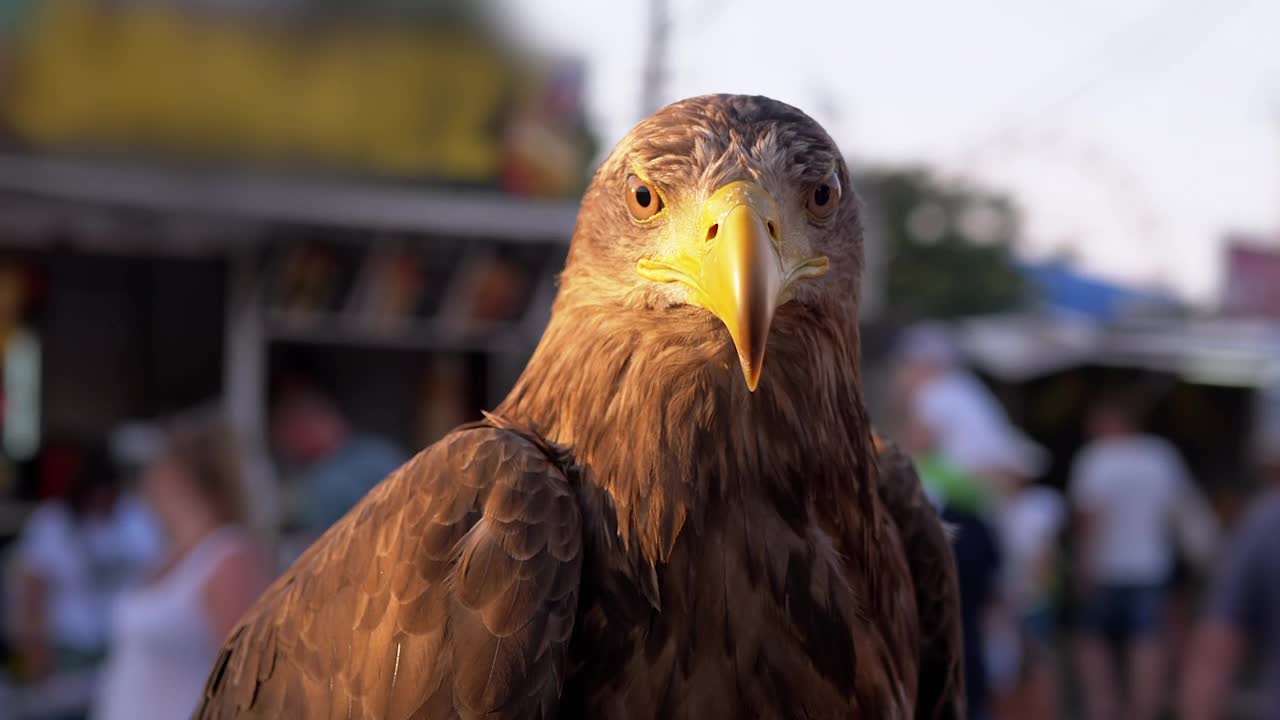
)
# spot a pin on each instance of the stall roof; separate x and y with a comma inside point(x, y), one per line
point(1209, 351)
point(292, 199)
point(1216, 351)
point(1017, 347)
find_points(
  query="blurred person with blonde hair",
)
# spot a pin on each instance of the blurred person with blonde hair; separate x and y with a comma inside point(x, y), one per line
point(166, 632)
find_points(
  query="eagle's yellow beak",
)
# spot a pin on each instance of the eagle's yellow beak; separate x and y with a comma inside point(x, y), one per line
point(734, 266)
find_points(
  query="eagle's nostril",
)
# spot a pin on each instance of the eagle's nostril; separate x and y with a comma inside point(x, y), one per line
point(773, 230)
point(712, 232)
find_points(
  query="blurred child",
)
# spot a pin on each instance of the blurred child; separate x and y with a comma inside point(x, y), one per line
point(1031, 520)
point(76, 553)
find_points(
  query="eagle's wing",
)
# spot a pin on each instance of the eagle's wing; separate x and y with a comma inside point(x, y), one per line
point(940, 693)
point(450, 591)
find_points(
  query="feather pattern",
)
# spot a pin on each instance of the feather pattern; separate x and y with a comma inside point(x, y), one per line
point(450, 591)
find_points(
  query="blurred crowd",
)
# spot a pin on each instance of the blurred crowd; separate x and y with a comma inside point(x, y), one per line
point(1116, 596)
point(1087, 602)
point(128, 575)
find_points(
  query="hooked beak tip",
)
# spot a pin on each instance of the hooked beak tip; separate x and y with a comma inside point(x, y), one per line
point(751, 373)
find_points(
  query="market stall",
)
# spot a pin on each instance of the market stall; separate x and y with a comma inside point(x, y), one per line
point(1203, 383)
point(383, 197)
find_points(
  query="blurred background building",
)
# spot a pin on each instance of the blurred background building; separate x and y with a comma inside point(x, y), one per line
point(194, 198)
point(197, 199)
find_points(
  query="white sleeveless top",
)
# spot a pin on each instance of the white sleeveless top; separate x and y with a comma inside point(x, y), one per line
point(162, 647)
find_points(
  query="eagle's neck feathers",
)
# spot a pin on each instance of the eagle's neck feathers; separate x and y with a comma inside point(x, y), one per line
point(655, 410)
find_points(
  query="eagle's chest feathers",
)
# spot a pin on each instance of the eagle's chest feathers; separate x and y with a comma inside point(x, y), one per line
point(755, 617)
point(733, 573)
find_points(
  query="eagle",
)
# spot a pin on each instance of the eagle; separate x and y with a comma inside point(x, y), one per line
point(681, 510)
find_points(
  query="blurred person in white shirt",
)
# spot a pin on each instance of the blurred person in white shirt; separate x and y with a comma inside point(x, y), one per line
point(953, 414)
point(1129, 492)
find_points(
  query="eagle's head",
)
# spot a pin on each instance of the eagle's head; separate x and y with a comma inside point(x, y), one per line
point(737, 206)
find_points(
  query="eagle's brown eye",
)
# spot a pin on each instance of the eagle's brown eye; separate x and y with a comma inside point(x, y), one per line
point(642, 200)
point(824, 199)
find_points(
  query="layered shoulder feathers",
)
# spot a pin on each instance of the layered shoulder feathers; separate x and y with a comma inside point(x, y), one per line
point(449, 592)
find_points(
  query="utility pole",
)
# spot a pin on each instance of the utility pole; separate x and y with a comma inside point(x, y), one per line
point(655, 57)
point(1275, 112)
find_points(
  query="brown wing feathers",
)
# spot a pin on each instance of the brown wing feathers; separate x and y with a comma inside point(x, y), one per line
point(940, 694)
point(462, 569)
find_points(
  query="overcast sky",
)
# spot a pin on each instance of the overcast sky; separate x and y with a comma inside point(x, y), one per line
point(1132, 134)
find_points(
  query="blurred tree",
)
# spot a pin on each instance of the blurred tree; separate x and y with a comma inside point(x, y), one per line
point(948, 249)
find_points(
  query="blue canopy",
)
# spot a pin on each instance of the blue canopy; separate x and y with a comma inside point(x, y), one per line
point(1063, 288)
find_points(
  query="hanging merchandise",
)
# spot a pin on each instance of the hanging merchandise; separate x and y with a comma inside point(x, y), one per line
point(21, 437)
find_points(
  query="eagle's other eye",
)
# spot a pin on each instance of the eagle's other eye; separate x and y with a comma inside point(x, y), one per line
point(642, 200)
point(824, 199)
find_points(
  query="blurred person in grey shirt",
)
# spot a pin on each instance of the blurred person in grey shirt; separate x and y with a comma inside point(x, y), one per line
point(1242, 614)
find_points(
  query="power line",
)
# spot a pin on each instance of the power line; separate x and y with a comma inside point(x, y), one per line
point(1106, 69)
point(1090, 161)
